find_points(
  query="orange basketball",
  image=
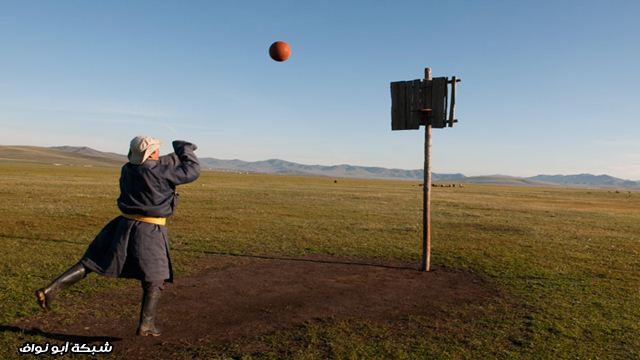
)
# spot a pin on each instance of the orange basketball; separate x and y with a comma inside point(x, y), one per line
point(279, 51)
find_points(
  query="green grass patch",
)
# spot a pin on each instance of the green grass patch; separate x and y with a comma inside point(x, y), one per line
point(569, 257)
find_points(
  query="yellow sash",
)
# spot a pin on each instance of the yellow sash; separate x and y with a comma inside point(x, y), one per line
point(147, 219)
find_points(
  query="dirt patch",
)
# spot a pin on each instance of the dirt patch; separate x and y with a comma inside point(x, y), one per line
point(237, 297)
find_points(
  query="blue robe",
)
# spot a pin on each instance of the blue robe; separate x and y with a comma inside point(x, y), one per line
point(134, 249)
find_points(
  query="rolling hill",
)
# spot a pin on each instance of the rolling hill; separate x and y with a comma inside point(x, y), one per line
point(585, 180)
point(276, 166)
point(503, 180)
point(85, 156)
point(64, 155)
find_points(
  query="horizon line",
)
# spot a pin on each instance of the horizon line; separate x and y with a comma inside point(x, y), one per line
point(344, 164)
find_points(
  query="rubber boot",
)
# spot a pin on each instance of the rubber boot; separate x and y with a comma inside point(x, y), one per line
point(74, 274)
point(147, 325)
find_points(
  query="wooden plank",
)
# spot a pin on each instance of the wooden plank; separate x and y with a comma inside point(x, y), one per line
point(419, 105)
point(423, 95)
point(437, 102)
point(397, 105)
point(393, 118)
point(452, 105)
point(400, 110)
point(409, 103)
point(403, 105)
point(419, 102)
point(394, 107)
point(428, 90)
point(414, 105)
point(445, 103)
point(424, 90)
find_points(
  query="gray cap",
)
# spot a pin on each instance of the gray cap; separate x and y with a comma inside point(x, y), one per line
point(141, 148)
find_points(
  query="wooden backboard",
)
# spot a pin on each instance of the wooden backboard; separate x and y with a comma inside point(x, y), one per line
point(410, 101)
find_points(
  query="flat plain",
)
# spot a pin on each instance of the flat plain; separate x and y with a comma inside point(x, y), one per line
point(328, 269)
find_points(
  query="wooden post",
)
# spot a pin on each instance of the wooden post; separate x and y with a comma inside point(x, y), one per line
point(426, 206)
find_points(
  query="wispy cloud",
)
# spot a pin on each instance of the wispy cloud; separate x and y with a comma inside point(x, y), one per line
point(618, 143)
point(115, 113)
point(115, 110)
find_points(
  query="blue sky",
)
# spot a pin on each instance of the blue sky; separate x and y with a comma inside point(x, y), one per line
point(548, 87)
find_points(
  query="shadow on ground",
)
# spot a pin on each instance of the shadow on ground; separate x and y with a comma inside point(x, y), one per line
point(240, 297)
point(57, 336)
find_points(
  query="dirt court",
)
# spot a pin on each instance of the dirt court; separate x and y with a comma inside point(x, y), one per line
point(235, 298)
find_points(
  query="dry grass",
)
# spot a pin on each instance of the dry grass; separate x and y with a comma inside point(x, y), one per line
point(568, 257)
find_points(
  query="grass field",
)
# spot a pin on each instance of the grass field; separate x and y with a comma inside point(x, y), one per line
point(567, 259)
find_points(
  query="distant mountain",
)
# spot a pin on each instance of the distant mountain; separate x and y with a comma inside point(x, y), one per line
point(85, 156)
point(585, 180)
point(502, 180)
point(275, 166)
point(75, 156)
point(87, 151)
